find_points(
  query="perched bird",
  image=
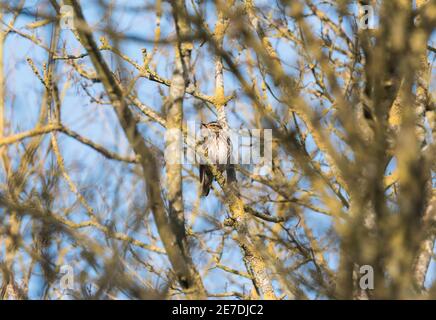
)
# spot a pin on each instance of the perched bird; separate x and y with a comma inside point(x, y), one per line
point(217, 147)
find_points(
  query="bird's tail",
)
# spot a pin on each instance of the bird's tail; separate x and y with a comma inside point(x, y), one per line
point(231, 174)
point(206, 179)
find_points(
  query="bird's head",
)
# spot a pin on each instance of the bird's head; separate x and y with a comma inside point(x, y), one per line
point(214, 126)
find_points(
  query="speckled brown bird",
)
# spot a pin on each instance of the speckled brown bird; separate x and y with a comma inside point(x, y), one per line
point(218, 149)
